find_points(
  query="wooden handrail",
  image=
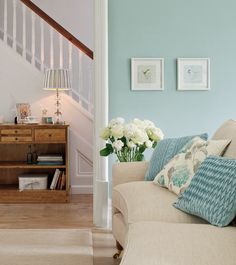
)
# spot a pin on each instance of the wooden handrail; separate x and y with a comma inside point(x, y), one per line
point(58, 27)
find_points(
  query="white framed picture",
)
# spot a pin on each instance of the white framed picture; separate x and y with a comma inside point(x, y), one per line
point(193, 74)
point(147, 74)
point(23, 111)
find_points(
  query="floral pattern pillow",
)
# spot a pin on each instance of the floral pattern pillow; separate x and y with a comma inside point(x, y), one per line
point(178, 173)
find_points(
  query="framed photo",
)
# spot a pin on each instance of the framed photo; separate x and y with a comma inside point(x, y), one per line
point(47, 120)
point(23, 112)
point(193, 74)
point(147, 74)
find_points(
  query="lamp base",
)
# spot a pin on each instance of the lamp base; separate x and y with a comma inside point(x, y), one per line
point(58, 111)
point(60, 122)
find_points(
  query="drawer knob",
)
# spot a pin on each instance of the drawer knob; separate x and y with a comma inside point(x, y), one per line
point(16, 131)
point(50, 135)
point(16, 138)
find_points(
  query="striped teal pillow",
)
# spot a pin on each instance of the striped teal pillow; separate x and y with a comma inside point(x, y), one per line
point(211, 194)
point(165, 151)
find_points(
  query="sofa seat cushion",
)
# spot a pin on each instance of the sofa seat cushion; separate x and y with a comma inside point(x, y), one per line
point(145, 201)
point(156, 243)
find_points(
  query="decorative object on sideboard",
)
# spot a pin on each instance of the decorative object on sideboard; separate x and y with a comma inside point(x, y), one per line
point(23, 111)
point(50, 160)
point(193, 74)
point(29, 155)
point(129, 141)
point(33, 182)
point(31, 120)
point(1, 118)
point(147, 73)
point(45, 118)
point(34, 155)
point(58, 180)
point(57, 80)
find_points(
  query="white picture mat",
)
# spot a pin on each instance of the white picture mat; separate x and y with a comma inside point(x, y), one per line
point(193, 74)
point(147, 73)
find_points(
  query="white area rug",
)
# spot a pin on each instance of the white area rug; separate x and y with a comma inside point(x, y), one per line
point(46, 247)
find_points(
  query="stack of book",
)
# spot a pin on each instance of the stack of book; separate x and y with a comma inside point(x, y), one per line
point(50, 160)
point(58, 181)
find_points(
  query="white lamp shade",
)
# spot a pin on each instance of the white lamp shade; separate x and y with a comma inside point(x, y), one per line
point(57, 79)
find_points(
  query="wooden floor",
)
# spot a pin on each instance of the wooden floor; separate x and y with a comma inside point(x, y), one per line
point(76, 214)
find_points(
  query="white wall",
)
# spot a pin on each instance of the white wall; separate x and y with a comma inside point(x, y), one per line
point(77, 16)
point(19, 82)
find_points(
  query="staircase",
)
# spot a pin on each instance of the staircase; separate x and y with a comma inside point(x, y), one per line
point(41, 42)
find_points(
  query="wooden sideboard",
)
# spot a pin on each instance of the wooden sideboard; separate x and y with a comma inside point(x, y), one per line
point(15, 143)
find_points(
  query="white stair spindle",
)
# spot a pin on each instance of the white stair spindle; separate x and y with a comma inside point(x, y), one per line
point(42, 52)
point(51, 48)
point(61, 50)
point(5, 21)
point(70, 54)
point(70, 65)
point(33, 38)
point(90, 90)
point(14, 25)
point(23, 31)
point(80, 54)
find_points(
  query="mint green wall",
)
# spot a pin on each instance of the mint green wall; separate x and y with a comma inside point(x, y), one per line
point(172, 29)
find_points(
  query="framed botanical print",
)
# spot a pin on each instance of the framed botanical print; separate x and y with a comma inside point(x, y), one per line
point(193, 74)
point(147, 74)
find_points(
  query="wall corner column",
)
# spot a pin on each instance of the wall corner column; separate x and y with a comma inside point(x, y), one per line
point(100, 179)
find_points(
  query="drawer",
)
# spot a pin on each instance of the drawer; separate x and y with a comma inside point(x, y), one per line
point(16, 131)
point(15, 139)
point(50, 135)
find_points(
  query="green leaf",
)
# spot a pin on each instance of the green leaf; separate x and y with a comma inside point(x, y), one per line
point(140, 157)
point(123, 139)
point(109, 146)
point(142, 148)
point(104, 152)
point(107, 150)
point(154, 145)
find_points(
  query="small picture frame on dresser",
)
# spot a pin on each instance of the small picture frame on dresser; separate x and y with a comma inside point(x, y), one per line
point(23, 111)
point(47, 120)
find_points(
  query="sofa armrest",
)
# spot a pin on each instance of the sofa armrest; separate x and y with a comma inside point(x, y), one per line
point(128, 171)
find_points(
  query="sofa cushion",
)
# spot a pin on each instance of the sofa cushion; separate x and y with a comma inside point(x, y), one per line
point(228, 131)
point(165, 151)
point(178, 173)
point(212, 192)
point(145, 201)
point(156, 243)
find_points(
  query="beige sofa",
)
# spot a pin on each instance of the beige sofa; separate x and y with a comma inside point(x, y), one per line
point(153, 232)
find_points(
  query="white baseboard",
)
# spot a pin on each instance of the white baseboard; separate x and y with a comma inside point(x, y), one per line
point(82, 189)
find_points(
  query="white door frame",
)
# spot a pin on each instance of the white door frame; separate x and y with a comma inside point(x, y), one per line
point(100, 164)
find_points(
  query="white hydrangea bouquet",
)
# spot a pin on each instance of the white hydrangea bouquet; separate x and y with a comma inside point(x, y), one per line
point(129, 140)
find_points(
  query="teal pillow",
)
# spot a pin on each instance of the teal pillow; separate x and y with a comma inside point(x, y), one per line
point(165, 151)
point(211, 194)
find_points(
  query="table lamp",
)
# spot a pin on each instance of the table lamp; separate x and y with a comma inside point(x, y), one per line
point(57, 80)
